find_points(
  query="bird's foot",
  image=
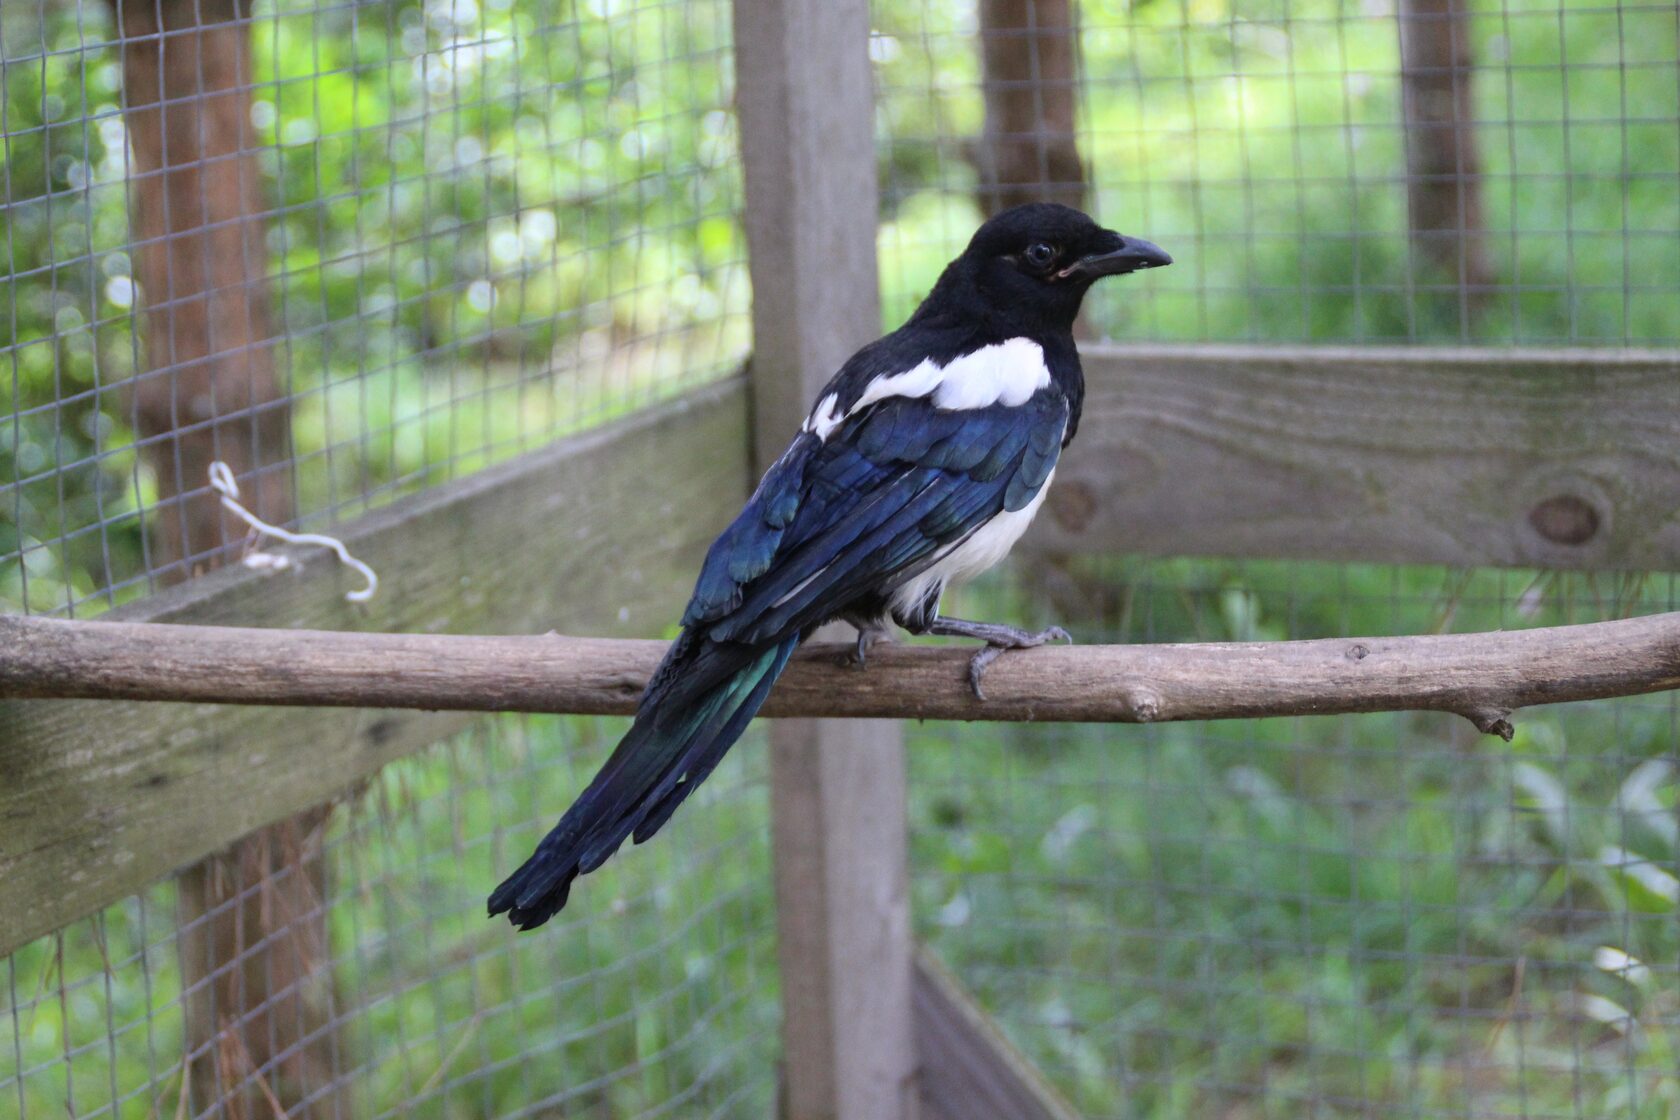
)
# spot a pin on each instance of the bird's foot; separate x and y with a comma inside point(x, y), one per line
point(998, 637)
point(866, 640)
point(1020, 639)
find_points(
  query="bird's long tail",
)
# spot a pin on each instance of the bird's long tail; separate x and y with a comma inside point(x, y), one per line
point(699, 703)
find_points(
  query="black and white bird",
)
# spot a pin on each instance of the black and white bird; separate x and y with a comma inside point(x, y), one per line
point(922, 464)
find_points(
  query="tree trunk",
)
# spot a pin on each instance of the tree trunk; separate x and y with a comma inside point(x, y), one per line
point(1443, 167)
point(253, 940)
point(1029, 75)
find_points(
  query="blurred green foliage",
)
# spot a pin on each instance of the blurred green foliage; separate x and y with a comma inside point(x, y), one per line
point(1345, 916)
point(1260, 141)
point(660, 994)
point(489, 225)
point(474, 204)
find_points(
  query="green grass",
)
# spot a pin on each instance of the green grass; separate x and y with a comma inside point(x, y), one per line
point(654, 995)
point(1260, 142)
point(1346, 916)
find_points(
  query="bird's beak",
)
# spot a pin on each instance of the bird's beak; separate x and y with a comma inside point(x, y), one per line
point(1129, 255)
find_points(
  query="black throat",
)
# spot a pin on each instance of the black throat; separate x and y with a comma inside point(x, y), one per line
point(960, 316)
point(957, 318)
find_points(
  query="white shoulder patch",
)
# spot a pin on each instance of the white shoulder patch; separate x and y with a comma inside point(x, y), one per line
point(825, 417)
point(1007, 373)
point(918, 382)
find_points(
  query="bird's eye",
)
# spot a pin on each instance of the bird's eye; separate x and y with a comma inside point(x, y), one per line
point(1040, 253)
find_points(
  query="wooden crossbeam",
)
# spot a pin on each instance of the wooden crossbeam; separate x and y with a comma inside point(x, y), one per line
point(99, 800)
point(1564, 459)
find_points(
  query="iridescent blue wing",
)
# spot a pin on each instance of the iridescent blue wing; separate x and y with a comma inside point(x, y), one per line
point(892, 487)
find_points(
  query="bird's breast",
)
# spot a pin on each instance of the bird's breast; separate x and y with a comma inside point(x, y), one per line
point(978, 552)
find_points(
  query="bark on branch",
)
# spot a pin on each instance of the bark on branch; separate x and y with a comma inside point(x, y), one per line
point(1483, 677)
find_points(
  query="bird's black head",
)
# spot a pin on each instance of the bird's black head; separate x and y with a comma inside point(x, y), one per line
point(1036, 262)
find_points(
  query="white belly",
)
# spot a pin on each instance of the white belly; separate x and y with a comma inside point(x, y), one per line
point(976, 553)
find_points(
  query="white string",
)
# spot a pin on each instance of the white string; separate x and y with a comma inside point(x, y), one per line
point(222, 481)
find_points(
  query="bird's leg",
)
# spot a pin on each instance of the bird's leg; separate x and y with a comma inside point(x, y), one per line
point(998, 637)
point(866, 639)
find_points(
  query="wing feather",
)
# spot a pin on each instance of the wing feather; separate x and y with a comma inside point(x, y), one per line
point(882, 498)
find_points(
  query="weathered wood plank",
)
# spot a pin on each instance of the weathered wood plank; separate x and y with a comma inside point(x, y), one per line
point(836, 790)
point(1551, 459)
point(842, 918)
point(808, 149)
point(969, 1070)
point(97, 799)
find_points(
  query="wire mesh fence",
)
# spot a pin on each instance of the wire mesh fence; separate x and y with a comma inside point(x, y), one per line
point(1360, 916)
point(659, 1001)
point(1385, 915)
point(357, 250)
point(1268, 146)
point(383, 244)
point(437, 234)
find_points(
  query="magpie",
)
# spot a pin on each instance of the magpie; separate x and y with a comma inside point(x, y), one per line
point(922, 463)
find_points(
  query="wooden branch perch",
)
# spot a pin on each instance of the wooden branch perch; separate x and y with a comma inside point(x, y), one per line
point(1483, 677)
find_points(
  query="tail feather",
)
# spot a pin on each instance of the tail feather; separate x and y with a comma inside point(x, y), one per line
point(703, 764)
point(680, 734)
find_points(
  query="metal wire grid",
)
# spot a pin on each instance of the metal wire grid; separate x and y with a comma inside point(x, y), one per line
point(1354, 916)
point(1381, 915)
point(1263, 143)
point(1313, 917)
point(658, 1001)
point(484, 226)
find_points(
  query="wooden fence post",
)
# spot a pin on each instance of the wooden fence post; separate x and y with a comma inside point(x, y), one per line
point(837, 789)
point(1443, 163)
point(253, 942)
point(1029, 74)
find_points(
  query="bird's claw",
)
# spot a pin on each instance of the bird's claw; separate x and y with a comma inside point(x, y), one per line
point(987, 654)
point(866, 640)
point(983, 657)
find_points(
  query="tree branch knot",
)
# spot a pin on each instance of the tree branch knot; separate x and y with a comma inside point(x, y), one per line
point(1491, 720)
point(1142, 704)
